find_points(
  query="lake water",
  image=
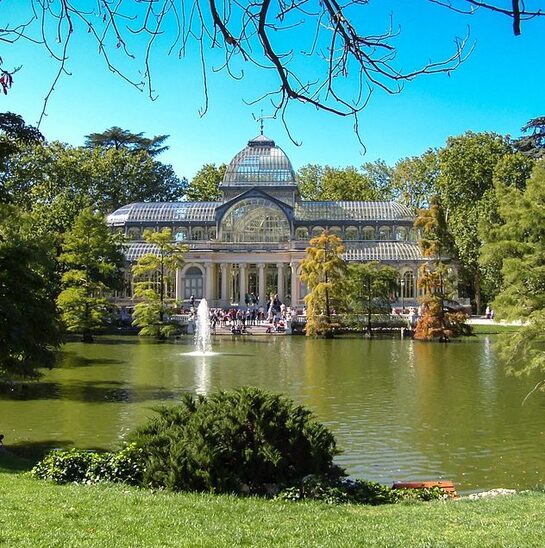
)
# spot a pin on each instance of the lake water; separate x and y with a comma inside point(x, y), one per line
point(400, 409)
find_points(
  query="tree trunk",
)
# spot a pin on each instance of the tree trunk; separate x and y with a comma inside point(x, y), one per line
point(87, 336)
point(478, 292)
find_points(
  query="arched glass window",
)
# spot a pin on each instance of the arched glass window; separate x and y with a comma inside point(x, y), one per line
point(255, 220)
point(351, 233)
point(317, 231)
point(368, 233)
point(301, 233)
point(384, 233)
point(413, 235)
point(401, 234)
point(197, 233)
point(335, 230)
point(211, 233)
point(407, 285)
point(193, 283)
point(133, 233)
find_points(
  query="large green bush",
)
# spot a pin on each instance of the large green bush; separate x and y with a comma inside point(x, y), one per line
point(244, 441)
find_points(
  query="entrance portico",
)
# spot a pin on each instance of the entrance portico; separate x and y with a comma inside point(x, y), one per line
point(230, 281)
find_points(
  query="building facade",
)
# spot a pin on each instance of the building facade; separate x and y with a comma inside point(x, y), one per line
point(253, 240)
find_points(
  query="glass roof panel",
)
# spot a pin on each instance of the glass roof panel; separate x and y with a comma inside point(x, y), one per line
point(383, 251)
point(164, 211)
point(357, 211)
point(261, 163)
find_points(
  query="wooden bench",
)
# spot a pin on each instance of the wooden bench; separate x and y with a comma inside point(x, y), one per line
point(446, 486)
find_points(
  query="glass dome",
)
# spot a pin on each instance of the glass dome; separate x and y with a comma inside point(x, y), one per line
point(261, 163)
point(255, 220)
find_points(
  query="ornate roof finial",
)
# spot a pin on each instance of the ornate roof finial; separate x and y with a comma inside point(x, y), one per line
point(261, 120)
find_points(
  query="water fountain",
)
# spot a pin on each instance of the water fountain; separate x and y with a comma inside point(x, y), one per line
point(203, 342)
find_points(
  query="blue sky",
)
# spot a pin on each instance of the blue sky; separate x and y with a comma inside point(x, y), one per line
point(499, 88)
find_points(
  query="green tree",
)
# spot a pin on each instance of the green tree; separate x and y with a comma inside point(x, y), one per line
point(204, 187)
point(41, 175)
point(414, 179)
point(371, 182)
point(370, 288)
point(119, 177)
point(520, 243)
point(511, 171)
point(154, 274)
point(532, 144)
point(466, 188)
point(30, 330)
point(93, 259)
point(118, 139)
point(14, 133)
point(380, 175)
point(324, 271)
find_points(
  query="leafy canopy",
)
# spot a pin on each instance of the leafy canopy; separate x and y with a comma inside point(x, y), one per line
point(92, 257)
point(204, 187)
point(29, 326)
point(370, 288)
point(118, 139)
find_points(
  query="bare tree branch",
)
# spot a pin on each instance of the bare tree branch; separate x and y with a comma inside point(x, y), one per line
point(320, 52)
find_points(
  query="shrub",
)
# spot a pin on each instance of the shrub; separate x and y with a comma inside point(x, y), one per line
point(238, 441)
point(343, 490)
point(80, 466)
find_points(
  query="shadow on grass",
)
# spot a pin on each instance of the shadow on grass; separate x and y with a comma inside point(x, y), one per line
point(22, 456)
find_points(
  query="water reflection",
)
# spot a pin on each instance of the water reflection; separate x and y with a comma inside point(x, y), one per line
point(400, 409)
point(202, 377)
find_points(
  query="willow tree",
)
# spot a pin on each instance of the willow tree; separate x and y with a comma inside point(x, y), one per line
point(154, 275)
point(324, 271)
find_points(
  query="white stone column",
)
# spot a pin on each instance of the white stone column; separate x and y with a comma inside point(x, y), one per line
point(225, 282)
point(179, 285)
point(242, 282)
point(209, 282)
point(294, 285)
point(262, 296)
point(280, 289)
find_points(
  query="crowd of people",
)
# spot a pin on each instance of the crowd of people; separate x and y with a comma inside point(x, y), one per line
point(275, 315)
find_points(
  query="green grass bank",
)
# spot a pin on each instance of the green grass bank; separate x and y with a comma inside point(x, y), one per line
point(35, 513)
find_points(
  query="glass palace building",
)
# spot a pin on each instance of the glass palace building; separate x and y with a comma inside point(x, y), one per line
point(253, 240)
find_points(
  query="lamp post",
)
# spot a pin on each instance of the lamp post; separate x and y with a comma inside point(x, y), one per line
point(402, 283)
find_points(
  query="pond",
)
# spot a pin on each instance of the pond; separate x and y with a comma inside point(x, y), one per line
point(400, 409)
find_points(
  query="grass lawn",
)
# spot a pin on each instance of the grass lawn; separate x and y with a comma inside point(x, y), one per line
point(494, 329)
point(38, 514)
